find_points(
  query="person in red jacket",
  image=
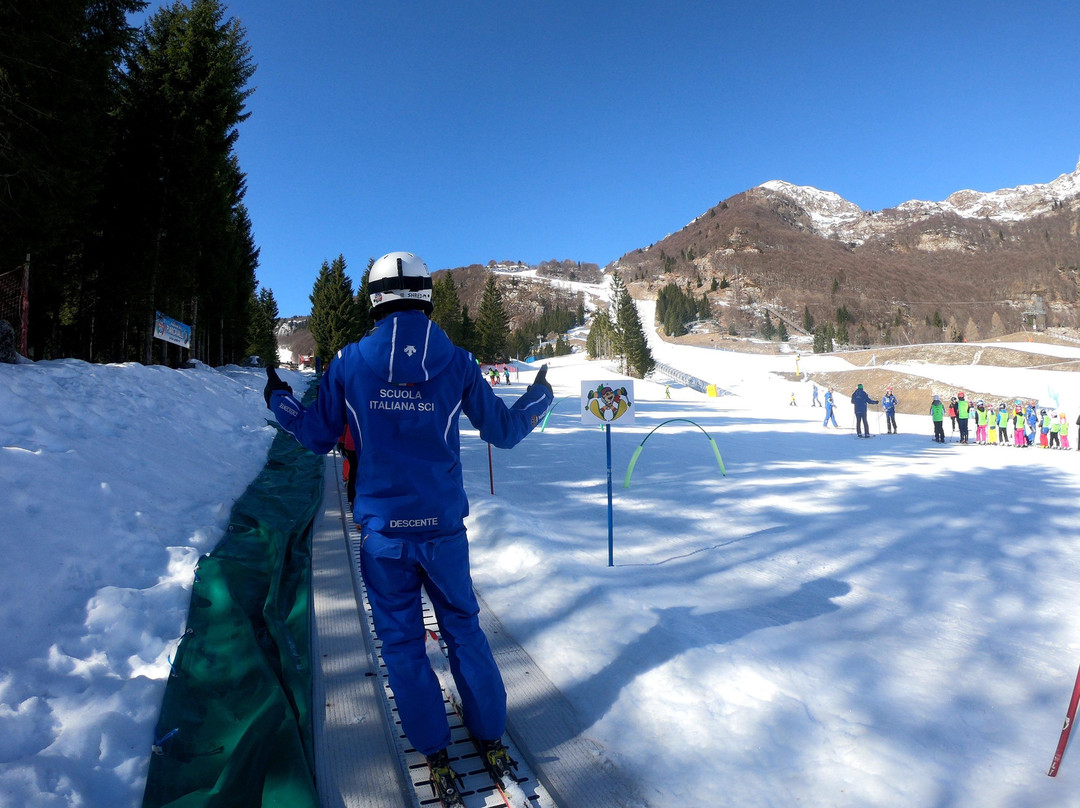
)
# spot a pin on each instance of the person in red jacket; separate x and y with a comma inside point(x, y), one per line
point(348, 470)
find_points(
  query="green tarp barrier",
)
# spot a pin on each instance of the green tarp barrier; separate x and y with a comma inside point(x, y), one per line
point(236, 727)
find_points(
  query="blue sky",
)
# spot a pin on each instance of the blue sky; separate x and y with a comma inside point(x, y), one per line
point(472, 131)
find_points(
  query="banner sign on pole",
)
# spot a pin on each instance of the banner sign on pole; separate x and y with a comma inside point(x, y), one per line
point(607, 402)
point(171, 330)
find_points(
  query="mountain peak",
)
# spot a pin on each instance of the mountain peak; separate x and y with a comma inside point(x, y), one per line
point(833, 216)
point(829, 212)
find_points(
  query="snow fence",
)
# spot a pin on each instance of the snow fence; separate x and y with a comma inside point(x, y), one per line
point(236, 722)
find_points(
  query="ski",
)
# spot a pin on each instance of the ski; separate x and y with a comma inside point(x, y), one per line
point(508, 789)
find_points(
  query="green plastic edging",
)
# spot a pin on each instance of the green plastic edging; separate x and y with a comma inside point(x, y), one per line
point(235, 727)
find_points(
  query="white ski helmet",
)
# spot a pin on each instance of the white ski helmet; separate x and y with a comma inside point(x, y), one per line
point(399, 280)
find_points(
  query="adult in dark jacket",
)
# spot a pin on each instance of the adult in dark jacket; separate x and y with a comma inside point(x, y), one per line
point(403, 388)
point(859, 400)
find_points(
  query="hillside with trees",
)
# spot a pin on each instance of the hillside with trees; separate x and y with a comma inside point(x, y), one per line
point(929, 276)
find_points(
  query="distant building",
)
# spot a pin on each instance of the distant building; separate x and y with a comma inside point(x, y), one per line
point(1035, 315)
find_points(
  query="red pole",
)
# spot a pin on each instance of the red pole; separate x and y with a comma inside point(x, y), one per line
point(1063, 741)
point(491, 473)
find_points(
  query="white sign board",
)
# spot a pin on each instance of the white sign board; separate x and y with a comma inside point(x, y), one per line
point(605, 402)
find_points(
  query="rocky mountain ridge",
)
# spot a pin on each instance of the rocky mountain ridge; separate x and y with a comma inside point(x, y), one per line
point(832, 216)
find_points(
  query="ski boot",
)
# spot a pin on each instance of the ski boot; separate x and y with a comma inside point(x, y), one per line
point(444, 780)
point(498, 762)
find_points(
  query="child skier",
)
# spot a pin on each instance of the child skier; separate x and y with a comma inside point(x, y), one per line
point(982, 419)
point(1063, 431)
point(1055, 431)
point(1002, 424)
point(888, 403)
point(1019, 433)
point(963, 413)
point(937, 414)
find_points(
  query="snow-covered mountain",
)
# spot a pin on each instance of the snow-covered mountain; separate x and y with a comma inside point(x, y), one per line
point(832, 216)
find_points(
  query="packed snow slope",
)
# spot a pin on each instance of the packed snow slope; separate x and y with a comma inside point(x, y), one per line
point(836, 622)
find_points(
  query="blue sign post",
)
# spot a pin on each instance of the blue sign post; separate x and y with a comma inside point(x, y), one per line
point(610, 514)
point(606, 402)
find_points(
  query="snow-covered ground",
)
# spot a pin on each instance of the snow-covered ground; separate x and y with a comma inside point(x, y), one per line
point(835, 622)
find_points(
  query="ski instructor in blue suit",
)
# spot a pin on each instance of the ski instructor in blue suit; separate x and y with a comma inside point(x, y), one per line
point(403, 388)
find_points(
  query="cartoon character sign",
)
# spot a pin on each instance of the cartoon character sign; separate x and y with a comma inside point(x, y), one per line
point(607, 401)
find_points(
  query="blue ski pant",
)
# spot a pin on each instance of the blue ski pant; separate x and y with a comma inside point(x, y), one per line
point(394, 569)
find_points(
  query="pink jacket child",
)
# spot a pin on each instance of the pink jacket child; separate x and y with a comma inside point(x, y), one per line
point(1019, 437)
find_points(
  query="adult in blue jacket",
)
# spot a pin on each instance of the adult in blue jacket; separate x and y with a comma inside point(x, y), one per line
point(859, 400)
point(402, 389)
point(829, 414)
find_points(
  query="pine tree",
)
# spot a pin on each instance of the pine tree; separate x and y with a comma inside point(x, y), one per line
point(492, 324)
point(768, 330)
point(633, 349)
point(600, 342)
point(364, 319)
point(262, 341)
point(807, 319)
point(59, 73)
point(334, 322)
point(178, 237)
point(446, 305)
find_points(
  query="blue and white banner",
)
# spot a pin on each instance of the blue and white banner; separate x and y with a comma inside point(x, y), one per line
point(171, 330)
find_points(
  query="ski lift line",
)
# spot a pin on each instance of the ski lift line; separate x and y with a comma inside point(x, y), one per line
point(641, 446)
point(679, 376)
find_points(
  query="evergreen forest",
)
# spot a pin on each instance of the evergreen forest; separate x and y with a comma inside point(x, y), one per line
point(120, 186)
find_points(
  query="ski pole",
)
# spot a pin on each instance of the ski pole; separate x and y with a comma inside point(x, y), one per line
point(1063, 741)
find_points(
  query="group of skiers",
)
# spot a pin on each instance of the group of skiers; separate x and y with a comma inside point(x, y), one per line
point(1032, 425)
point(860, 399)
point(494, 376)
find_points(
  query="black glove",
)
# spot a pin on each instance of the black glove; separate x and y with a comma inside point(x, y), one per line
point(273, 382)
point(541, 379)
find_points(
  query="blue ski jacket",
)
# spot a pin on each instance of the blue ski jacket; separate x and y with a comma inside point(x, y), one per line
point(403, 388)
point(888, 402)
point(860, 399)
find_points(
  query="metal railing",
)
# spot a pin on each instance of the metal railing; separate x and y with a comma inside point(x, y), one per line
point(690, 381)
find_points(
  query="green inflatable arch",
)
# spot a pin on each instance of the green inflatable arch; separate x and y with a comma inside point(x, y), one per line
point(637, 451)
